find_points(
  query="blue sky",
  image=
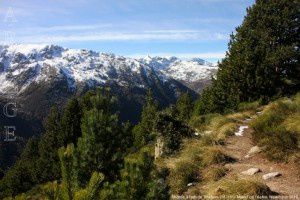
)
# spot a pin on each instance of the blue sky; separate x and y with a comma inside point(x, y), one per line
point(184, 28)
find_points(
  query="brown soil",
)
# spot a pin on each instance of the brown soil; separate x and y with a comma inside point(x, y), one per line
point(288, 184)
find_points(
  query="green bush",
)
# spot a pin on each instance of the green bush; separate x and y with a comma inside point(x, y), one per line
point(139, 180)
point(172, 131)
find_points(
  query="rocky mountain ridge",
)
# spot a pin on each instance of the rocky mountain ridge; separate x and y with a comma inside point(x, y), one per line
point(22, 65)
point(40, 76)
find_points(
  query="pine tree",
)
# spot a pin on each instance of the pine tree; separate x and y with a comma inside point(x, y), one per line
point(69, 189)
point(263, 58)
point(139, 180)
point(68, 172)
point(184, 107)
point(71, 122)
point(143, 131)
point(172, 132)
point(48, 162)
point(102, 144)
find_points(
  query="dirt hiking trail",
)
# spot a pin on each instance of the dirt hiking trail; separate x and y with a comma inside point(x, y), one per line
point(286, 182)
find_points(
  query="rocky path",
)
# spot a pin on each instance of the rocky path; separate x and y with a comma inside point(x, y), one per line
point(281, 178)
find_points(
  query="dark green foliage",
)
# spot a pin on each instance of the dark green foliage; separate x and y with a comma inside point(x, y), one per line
point(184, 107)
point(103, 144)
point(85, 101)
point(68, 172)
point(207, 102)
point(71, 122)
point(30, 151)
point(262, 61)
point(48, 162)
point(69, 189)
point(139, 180)
point(104, 141)
point(200, 122)
point(22, 176)
point(172, 132)
point(143, 132)
point(38, 163)
point(9, 152)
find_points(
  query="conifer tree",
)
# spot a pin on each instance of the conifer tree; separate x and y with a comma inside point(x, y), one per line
point(103, 141)
point(184, 107)
point(143, 131)
point(70, 189)
point(68, 172)
point(71, 122)
point(48, 162)
point(139, 180)
point(263, 58)
point(172, 132)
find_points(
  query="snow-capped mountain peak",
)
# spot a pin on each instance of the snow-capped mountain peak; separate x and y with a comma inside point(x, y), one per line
point(22, 65)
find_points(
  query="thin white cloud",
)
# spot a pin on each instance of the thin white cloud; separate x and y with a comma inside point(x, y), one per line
point(206, 55)
point(155, 35)
point(67, 28)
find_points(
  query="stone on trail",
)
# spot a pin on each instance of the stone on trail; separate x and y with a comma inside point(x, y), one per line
point(253, 150)
point(190, 184)
point(251, 171)
point(271, 175)
point(247, 119)
point(259, 113)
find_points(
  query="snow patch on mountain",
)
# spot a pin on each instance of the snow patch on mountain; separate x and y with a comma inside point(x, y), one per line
point(190, 71)
point(23, 64)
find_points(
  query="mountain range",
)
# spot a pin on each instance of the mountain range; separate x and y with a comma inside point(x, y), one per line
point(39, 76)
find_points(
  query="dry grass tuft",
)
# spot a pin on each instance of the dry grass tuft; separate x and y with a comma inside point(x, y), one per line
point(249, 106)
point(236, 186)
point(214, 155)
point(278, 129)
point(214, 173)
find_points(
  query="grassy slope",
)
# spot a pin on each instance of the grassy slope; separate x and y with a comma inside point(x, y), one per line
point(203, 160)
